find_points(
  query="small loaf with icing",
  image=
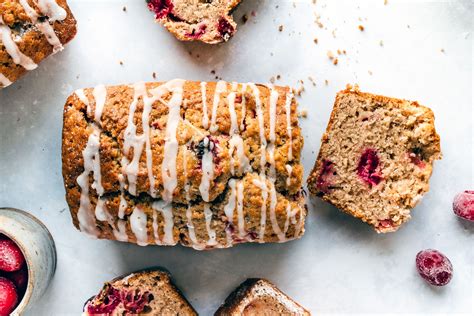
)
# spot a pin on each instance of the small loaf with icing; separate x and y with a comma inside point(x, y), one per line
point(207, 165)
point(30, 31)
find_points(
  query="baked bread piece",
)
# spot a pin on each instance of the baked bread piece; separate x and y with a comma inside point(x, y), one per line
point(376, 158)
point(207, 165)
point(206, 21)
point(146, 292)
point(30, 31)
point(259, 297)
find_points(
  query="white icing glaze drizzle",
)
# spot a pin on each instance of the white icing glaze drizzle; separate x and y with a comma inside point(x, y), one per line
point(155, 226)
point(44, 27)
point(236, 142)
point(168, 167)
point(52, 9)
point(229, 208)
point(121, 233)
point(91, 156)
point(4, 80)
point(166, 210)
point(103, 215)
point(100, 96)
point(207, 170)
point(147, 107)
point(210, 231)
point(205, 116)
point(82, 96)
point(138, 224)
point(240, 208)
point(12, 49)
point(289, 99)
point(189, 214)
point(234, 128)
point(244, 108)
point(289, 169)
point(263, 213)
point(221, 87)
point(273, 219)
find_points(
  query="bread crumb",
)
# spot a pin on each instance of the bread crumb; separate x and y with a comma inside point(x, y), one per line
point(361, 28)
point(278, 77)
point(313, 82)
point(124, 9)
point(335, 61)
point(272, 80)
point(213, 72)
point(330, 55)
point(370, 72)
point(326, 82)
point(303, 113)
point(381, 43)
point(121, 63)
point(385, 2)
point(315, 40)
point(280, 28)
point(245, 18)
point(442, 50)
point(154, 75)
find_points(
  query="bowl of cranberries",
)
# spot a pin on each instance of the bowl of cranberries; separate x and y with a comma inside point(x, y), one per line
point(27, 260)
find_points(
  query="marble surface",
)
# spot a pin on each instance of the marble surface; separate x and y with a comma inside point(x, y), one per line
point(419, 50)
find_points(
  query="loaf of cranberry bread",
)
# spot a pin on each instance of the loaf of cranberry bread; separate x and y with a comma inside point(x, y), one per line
point(259, 297)
point(146, 292)
point(207, 21)
point(376, 158)
point(30, 31)
point(207, 165)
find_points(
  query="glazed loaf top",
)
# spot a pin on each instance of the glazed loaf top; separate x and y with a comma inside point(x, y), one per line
point(180, 143)
point(30, 31)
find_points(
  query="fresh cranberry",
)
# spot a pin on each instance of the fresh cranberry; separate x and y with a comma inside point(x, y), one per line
point(19, 278)
point(368, 167)
point(162, 8)
point(434, 267)
point(8, 296)
point(416, 157)
point(325, 175)
point(386, 223)
point(108, 300)
point(463, 205)
point(224, 28)
point(197, 33)
point(11, 258)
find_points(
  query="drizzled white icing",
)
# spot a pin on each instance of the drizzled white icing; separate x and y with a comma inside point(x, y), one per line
point(205, 116)
point(52, 9)
point(221, 87)
point(289, 169)
point(236, 143)
point(101, 214)
point(91, 156)
point(12, 49)
point(210, 231)
point(166, 210)
point(289, 99)
point(230, 207)
point(44, 27)
point(138, 225)
point(207, 169)
point(4, 80)
point(240, 208)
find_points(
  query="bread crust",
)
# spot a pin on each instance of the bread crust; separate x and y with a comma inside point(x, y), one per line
point(281, 210)
point(28, 38)
point(429, 138)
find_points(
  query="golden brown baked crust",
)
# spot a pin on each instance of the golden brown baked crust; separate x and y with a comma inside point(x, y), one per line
point(376, 157)
point(259, 297)
point(216, 197)
point(30, 36)
point(145, 292)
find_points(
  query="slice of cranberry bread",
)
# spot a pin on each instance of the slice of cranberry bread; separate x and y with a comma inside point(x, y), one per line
point(376, 158)
point(259, 297)
point(30, 31)
point(146, 292)
point(209, 21)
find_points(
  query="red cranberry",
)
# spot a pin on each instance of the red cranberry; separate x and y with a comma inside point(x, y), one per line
point(19, 278)
point(325, 175)
point(11, 258)
point(463, 205)
point(368, 167)
point(434, 267)
point(161, 7)
point(224, 28)
point(8, 296)
point(201, 30)
point(108, 300)
point(386, 223)
point(416, 157)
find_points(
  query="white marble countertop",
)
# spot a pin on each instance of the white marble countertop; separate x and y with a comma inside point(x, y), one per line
point(419, 50)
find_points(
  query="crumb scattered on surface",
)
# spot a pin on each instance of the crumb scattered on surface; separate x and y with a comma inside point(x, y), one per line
point(313, 82)
point(370, 72)
point(154, 75)
point(278, 77)
point(385, 2)
point(245, 18)
point(303, 113)
point(335, 62)
point(213, 72)
point(361, 28)
point(330, 55)
point(121, 63)
point(280, 28)
point(442, 50)
point(272, 80)
point(124, 9)
point(326, 82)
point(315, 40)
point(381, 43)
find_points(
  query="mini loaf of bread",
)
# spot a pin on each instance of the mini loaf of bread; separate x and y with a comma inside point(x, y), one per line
point(30, 31)
point(207, 165)
point(259, 297)
point(146, 292)
point(206, 21)
point(376, 158)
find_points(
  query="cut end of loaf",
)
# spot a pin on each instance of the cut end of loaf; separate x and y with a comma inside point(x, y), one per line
point(143, 292)
point(210, 22)
point(259, 297)
point(376, 158)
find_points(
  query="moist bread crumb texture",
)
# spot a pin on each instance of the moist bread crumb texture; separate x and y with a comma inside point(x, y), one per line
point(30, 31)
point(149, 292)
point(376, 158)
point(259, 297)
point(208, 21)
point(207, 165)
